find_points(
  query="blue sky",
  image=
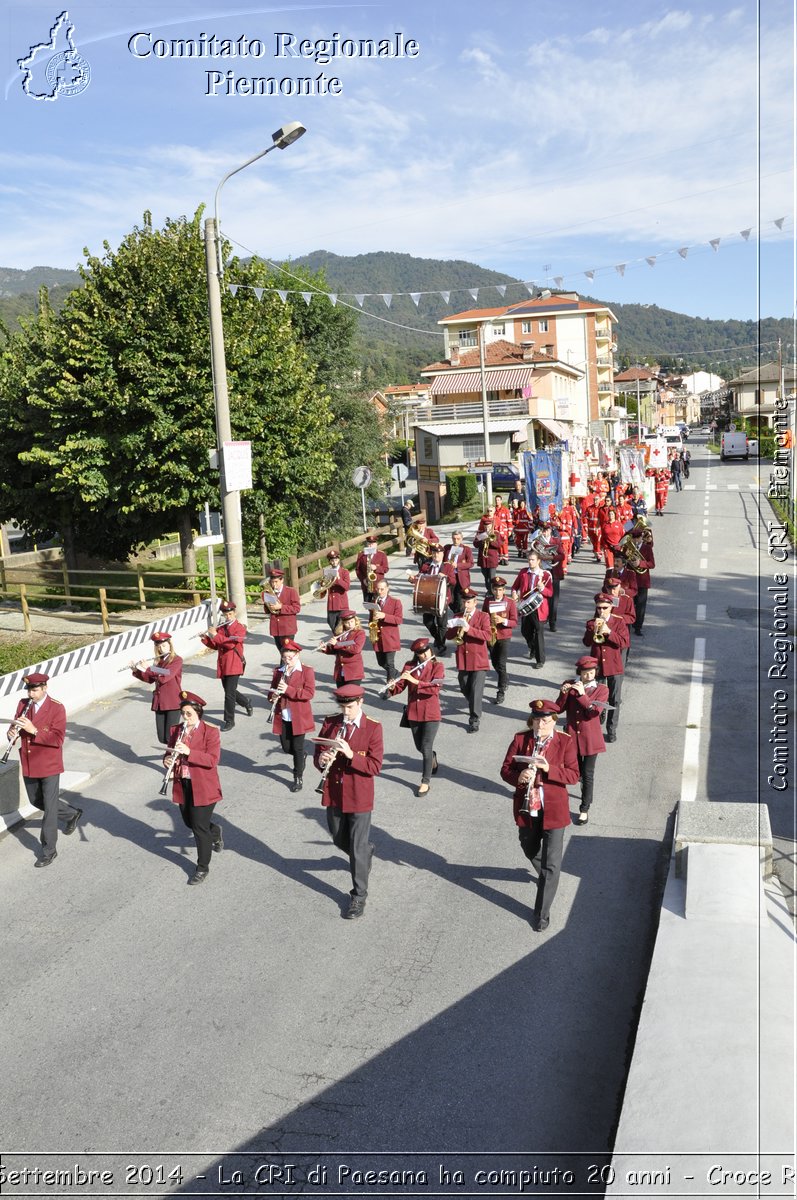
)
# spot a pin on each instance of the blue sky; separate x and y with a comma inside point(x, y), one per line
point(541, 140)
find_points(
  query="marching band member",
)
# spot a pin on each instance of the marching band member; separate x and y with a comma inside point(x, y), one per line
point(347, 646)
point(434, 622)
point(502, 523)
point(371, 566)
point(421, 530)
point(383, 628)
point(292, 689)
point(486, 542)
point(194, 751)
point(471, 639)
point(502, 611)
point(422, 677)
point(283, 603)
point(349, 767)
point(622, 604)
point(583, 700)
point(534, 579)
point(167, 674)
point(644, 545)
point(521, 523)
point(606, 637)
point(39, 725)
point(540, 803)
point(338, 590)
point(461, 559)
point(228, 641)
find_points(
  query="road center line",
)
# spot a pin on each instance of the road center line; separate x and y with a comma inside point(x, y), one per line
point(694, 716)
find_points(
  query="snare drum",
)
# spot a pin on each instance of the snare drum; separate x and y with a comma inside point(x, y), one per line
point(529, 604)
point(429, 594)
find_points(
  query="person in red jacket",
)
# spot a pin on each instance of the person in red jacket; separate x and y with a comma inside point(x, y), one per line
point(422, 677)
point(388, 615)
point(532, 580)
point(612, 535)
point(40, 727)
point(622, 603)
point(283, 604)
point(502, 611)
point(435, 622)
point(347, 646)
point(583, 700)
point(471, 637)
point(292, 689)
point(540, 764)
point(353, 762)
point(661, 486)
point(193, 756)
point(643, 541)
point(371, 566)
point(486, 542)
point(503, 526)
point(337, 589)
point(592, 525)
point(521, 523)
point(606, 638)
point(460, 558)
point(228, 641)
point(166, 672)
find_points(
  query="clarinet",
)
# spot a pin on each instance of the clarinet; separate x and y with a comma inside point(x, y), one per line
point(15, 729)
point(325, 773)
point(277, 697)
point(172, 763)
point(524, 808)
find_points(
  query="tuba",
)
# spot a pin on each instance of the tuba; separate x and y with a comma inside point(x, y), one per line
point(546, 552)
point(627, 547)
point(418, 544)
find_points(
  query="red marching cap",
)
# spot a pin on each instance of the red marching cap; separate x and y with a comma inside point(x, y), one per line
point(346, 614)
point(227, 606)
point(192, 698)
point(349, 691)
point(157, 638)
point(419, 645)
point(371, 537)
point(586, 663)
point(37, 679)
point(289, 644)
point(276, 573)
point(497, 582)
point(602, 598)
point(544, 708)
point(469, 594)
point(333, 554)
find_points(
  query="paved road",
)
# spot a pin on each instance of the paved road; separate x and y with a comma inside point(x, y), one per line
point(246, 1015)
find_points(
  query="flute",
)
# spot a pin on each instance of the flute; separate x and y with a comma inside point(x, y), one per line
point(14, 730)
point(384, 692)
point(169, 776)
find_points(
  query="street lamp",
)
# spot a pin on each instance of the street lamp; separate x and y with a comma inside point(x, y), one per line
point(230, 498)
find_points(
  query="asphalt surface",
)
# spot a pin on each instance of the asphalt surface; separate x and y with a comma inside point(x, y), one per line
point(246, 1017)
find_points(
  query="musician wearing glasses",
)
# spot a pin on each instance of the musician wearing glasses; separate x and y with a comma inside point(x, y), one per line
point(283, 604)
point(622, 604)
point(337, 589)
point(349, 755)
point(370, 567)
point(347, 647)
point(583, 700)
point(166, 672)
point(540, 764)
point(533, 582)
point(502, 612)
point(39, 725)
point(422, 677)
point(292, 689)
point(460, 557)
point(470, 636)
point(192, 758)
point(606, 638)
point(228, 642)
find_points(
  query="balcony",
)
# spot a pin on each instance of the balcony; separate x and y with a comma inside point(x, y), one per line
point(603, 332)
point(426, 414)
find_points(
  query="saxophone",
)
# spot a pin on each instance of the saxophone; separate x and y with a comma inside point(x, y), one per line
point(373, 628)
point(493, 638)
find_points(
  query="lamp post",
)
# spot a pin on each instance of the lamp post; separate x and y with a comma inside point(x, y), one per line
point(485, 417)
point(230, 498)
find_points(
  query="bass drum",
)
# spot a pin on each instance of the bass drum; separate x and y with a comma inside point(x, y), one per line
point(429, 594)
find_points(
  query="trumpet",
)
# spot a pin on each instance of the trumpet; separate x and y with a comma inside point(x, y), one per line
point(460, 638)
point(172, 763)
point(599, 635)
point(14, 729)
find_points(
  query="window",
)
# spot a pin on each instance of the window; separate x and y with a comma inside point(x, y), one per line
point(467, 337)
point(473, 449)
point(499, 330)
point(542, 325)
point(525, 326)
point(428, 449)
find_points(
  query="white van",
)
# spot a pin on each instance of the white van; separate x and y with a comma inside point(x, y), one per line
point(734, 445)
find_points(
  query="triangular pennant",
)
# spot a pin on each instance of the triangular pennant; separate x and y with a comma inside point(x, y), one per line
point(779, 222)
point(333, 298)
point(501, 289)
point(714, 244)
point(651, 261)
point(620, 268)
point(529, 286)
point(558, 280)
point(307, 296)
point(684, 250)
point(415, 297)
point(387, 297)
point(474, 292)
point(446, 297)
point(233, 288)
point(258, 292)
point(745, 233)
point(360, 299)
point(282, 295)
point(590, 274)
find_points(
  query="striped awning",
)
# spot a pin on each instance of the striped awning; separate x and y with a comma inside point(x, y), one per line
point(468, 382)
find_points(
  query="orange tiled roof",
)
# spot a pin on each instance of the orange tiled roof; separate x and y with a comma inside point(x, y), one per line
point(499, 353)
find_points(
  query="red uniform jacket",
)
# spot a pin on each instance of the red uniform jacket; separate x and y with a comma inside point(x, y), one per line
point(510, 612)
point(166, 697)
point(228, 642)
point(348, 653)
point(628, 578)
point(612, 533)
point(203, 762)
point(350, 783)
point(624, 608)
point(423, 701)
point(643, 577)
point(338, 594)
point(491, 556)
point(283, 623)
point(525, 582)
point(472, 654)
point(389, 639)
point(42, 755)
point(463, 565)
point(584, 717)
point(447, 571)
point(297, 697)
point(374, 562)
point(609, 653)
point(562, 770)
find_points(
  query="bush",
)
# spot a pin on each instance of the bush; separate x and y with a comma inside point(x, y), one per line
point(460, 489)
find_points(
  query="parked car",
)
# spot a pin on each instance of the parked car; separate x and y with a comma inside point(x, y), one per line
point(504, 476)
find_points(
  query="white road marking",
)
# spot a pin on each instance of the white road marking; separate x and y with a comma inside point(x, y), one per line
point(712, 487)
point(701, 612)
point(694, 716)
point(702, 585)
point(732, 487)
point(704, 564)
point(704, 548)
point(690, 487)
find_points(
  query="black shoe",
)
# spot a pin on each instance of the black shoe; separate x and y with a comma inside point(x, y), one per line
point(610, 737)
point(356, 908)
point(434, 763)
point(48, 858)
point(540, 924)
point(552, 629)
point(583, 817)
point(227, 726)
point(537, 666)
point(199, 875)
point(218, 841)
point(639, 633)
point(248, 707)
point(71, 824)
point(500, 698)
point(473, 727)
point(297, 784)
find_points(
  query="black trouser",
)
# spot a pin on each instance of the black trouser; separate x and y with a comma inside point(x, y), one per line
point(165, 722)
point(640, 604)
point(457, 600)
point(471, 684)
point(387, 661)
point(293, 743)
point(615, 685)
point(333, 618)
point(43, 794)
point(553, 603)
point(586, 765)
point(498, 656)
point(533, 632)
point(351, 833)
point(199, 819)
point(423, 735)
point(437, 626)
point(489, 574)
point(232, 697)
point(548, 845)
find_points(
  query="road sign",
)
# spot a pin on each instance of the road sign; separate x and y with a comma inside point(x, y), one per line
point(483, 463)
point(477, 470)
point(400, 473)
point(361, 477)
